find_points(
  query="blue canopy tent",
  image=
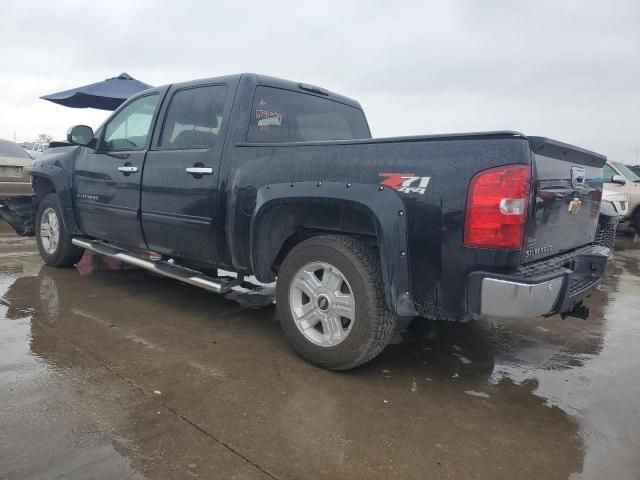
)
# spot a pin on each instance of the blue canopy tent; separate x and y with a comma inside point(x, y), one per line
point(106, 95)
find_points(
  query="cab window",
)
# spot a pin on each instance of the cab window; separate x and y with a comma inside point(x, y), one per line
point(286, 116)
point(130, 128)
point(194, 117)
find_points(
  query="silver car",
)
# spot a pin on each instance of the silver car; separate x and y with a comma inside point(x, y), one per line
point(15, 163)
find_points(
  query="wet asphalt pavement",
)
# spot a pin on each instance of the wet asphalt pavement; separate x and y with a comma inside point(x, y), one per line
point(109, 372)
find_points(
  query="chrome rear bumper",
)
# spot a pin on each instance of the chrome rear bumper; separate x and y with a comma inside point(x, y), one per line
point(536, 291)
point(503, 298)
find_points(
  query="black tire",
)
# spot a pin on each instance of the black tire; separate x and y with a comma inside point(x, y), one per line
point(65, 254)
point(374, 322)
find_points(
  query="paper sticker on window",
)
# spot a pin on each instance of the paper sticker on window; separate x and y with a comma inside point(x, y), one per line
point(267, 122)
point(267, 119)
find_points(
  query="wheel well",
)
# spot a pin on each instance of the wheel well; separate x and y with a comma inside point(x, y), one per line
point(285, 224)
point(42, 187)
point(304, 234)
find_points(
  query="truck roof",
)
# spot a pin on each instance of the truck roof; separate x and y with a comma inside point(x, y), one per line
point(266, 80)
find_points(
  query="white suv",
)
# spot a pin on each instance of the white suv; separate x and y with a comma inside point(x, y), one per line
point(38, 149)
point(619, 178)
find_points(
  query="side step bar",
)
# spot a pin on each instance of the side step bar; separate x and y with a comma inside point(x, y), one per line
point(161, 267)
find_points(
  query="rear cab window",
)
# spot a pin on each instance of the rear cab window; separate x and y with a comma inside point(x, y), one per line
point(280, 115)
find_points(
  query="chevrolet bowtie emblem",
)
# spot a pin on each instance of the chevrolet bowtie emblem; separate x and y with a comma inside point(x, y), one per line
point(574, 206)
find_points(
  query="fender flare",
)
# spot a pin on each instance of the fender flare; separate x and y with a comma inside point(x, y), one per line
point(383, 203)
point(62, 185)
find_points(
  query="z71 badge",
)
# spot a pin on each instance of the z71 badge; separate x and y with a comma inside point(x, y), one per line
point(406, 182)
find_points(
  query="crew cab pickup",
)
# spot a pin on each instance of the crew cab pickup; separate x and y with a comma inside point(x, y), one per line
point(277, 179)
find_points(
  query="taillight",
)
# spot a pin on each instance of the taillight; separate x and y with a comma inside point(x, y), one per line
point(497, 207)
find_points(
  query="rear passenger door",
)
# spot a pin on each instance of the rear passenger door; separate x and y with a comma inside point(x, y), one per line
point(181, 173)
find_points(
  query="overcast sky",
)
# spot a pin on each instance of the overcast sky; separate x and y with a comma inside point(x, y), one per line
point(569, 70)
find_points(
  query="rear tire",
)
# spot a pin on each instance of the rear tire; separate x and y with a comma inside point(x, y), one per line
point(53, 239)
point(331, 303)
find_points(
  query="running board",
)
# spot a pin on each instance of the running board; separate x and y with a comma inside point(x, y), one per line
point(161, 267)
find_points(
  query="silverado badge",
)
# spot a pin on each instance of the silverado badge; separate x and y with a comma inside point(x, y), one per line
point(574, 206)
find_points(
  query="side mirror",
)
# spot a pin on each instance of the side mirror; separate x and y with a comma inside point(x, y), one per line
point(81, 135)
point(618, 180)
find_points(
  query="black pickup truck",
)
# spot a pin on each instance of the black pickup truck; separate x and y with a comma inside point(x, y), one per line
point(271, 178)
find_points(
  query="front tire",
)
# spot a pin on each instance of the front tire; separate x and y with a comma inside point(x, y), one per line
point(331, 303)
point(53, 239)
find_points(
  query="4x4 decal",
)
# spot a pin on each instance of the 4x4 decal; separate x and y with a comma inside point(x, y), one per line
point(406, 182)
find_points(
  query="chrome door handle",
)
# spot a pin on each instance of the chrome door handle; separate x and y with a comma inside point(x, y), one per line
point(199, 170)
point(127, 169)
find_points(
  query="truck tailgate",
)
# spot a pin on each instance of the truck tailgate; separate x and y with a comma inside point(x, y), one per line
point(567, 189)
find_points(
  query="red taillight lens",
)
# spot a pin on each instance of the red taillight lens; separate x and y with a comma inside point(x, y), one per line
point(497, 207)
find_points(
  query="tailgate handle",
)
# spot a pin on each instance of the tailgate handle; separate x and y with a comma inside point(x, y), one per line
point(199, 170)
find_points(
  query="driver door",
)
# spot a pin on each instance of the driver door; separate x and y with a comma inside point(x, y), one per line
point(107, 179)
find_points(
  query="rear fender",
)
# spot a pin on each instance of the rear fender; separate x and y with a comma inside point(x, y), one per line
point(270, 230)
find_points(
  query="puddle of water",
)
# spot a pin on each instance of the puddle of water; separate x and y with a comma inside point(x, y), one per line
point(42, 436)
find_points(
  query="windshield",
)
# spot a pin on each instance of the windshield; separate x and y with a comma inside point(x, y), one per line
point(10, 149)
point(627, 172)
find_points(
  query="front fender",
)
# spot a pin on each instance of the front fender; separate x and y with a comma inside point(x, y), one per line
point(383, 204)
point(57, 166)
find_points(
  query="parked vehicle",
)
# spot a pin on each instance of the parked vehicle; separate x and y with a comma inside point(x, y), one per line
point(619, 201)
point(272, 178)
point(613, 208)
point(37, 149)
point(635, 169)
point(621, 179)
point(14, 170)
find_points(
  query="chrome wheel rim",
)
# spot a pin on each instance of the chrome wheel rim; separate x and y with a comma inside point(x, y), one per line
point(49, 231)
point(322, 304)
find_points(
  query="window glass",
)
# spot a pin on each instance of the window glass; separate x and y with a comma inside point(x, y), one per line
point(608, 172)
point(194, 117)
point(129, 129)
point(286, 116)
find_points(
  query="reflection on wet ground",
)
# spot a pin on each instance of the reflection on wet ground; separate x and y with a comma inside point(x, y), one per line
point(115, 373)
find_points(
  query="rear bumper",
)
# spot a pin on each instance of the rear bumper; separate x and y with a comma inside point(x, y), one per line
point(544, 288)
